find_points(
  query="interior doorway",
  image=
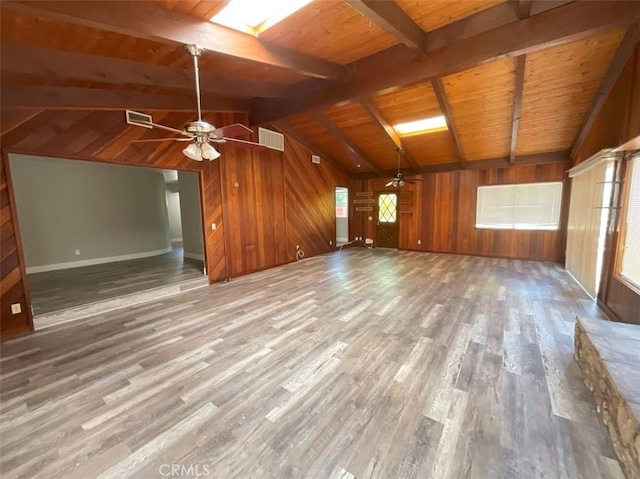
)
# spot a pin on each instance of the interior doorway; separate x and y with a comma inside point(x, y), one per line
point(342, 215)
point(98, 235)
point(387, 220)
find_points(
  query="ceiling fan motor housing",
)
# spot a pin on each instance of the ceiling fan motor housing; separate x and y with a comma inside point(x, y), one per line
point(199, 127)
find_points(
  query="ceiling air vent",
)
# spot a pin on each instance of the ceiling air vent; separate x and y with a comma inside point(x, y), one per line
point(139, 119)
point(271, 139)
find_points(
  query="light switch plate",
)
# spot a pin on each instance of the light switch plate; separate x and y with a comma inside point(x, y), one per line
point(77, 252)
point(213, 226)
point(16, 308)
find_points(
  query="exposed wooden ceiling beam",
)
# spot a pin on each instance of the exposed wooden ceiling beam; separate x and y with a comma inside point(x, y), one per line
point(143, 20)
point(354, 150)
point(517, 105)
point(524, 8)
point(392, 19)
point(376, 115)
point(58, 64)
point(75, 98)
point(625, 49)
point(287, 130)
point(403, 67)
point(536, 159)
point(441, 95)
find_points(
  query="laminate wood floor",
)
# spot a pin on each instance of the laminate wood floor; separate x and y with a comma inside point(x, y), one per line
point(358, 364)
point(62, 289)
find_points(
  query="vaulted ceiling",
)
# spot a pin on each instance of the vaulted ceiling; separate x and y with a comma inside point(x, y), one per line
point(518, 81)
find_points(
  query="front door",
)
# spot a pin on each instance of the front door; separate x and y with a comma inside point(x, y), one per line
point(387, 220)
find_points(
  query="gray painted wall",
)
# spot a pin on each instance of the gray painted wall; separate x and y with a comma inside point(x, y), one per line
point(191, 214)
point(108, 212)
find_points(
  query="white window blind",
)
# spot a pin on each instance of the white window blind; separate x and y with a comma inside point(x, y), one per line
point(631, 253)
point(529, 206)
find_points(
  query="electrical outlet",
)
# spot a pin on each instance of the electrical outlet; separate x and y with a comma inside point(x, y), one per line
point(419, 241)
point(16, 308)
point(330, 243)
point(77, 252)
point(213, 226)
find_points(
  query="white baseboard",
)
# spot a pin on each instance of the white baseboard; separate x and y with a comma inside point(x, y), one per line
point(198, 257)
point(91, 262)
point(176, 240)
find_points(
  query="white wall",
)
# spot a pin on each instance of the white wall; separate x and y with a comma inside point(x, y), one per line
point(107, 212)
point(173, 210)
point(191, 214)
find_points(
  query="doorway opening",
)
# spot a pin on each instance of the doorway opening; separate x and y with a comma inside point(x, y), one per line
point(387, 220)
point(97, 236)
point(342, 215)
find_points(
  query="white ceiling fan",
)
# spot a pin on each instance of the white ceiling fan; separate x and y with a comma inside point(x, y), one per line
point(199, 133)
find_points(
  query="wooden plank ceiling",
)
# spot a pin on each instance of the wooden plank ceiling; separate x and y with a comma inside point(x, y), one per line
point(517, 81)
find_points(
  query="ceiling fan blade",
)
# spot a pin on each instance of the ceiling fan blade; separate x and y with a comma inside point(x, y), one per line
point(160, 139)
point(389, 184)
point(168, 128)
point(231, 131)
point(244, 144)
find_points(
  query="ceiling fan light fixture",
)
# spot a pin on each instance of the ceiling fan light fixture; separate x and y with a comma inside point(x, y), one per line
point(209, 152)
point(193, 151)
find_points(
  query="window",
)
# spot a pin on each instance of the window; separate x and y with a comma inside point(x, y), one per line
point(630, 269)
point(255, 16)
point(531, 206)
point(437, 123)
point(342, 202)
point(387, 204)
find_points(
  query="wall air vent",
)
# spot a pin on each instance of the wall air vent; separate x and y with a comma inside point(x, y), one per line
point(271, 139)
point(315, 159)
point(139, 119)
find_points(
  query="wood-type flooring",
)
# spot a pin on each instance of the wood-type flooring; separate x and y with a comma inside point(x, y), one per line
point(66, 288)
point(356, 364)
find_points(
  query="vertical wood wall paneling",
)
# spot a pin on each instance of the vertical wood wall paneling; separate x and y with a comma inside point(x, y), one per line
point(254, 209)
point(444, 210)
point(617, 122)
point(13, 285)
point(310, 202)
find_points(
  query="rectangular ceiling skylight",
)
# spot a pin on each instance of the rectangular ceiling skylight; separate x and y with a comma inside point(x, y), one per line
point(255, 16)
point(437, 123)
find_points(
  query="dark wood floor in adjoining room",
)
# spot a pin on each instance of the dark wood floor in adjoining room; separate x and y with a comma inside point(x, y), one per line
point(66, 288)
point(363, 363)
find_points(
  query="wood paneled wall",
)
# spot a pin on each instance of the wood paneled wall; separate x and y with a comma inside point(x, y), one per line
point(617, 122)
point(253, 202)
point(310, 201)
point(281, 199)
point(14, 288)
point(442, 215)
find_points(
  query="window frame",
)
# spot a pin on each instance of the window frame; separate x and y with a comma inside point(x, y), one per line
point(513, 227)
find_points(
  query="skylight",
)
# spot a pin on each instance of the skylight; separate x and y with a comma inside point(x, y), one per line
point(254, 17)
point(427, 125)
